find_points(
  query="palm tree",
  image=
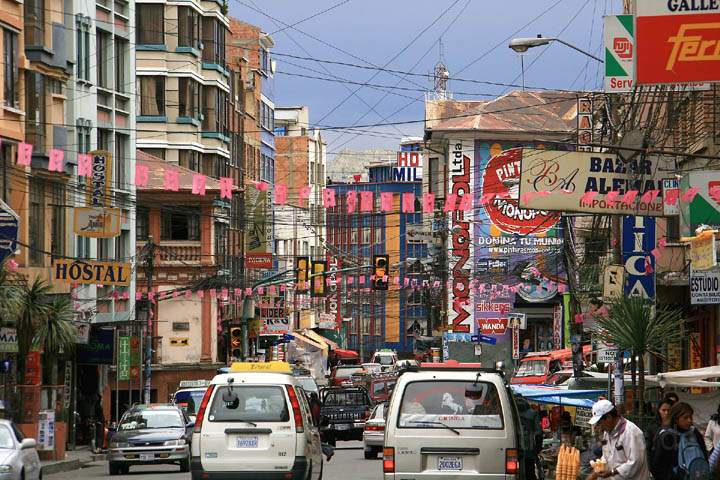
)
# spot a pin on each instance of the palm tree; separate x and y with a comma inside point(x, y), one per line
point(33, 310)
point(634, 324)
point(56, 335)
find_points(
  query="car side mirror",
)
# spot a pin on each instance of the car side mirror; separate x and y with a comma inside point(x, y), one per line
point(190, 423)
point(28, 443)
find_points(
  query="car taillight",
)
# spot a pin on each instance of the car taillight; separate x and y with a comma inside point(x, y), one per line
point(388, 460)
point(374, 428)
point(295, 404)
point(201, 411)
point(512, 465)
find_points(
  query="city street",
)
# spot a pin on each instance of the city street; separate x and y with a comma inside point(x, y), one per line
point(347, 464)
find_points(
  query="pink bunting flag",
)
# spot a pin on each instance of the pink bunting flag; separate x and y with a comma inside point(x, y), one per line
point(649, 196)
point(662, 242)
point(126, 295)
point(587, 198)
point(689, 195)
point(630, 196)
point(261, 290)
point(366, 201)
point(198, 184)
point(282, 288)
point(262, 186)
point(238, 292)
point(248, 291)
point(172, 180)
point(175, 294)
point(408, 202)
point(304, 193)
point(428, 202)
point(526, 197)
point(281, 190)
point(362, 279)
point(328, 197)
point(450, 202)
point(466, 202)
point(56, 160)
point(612, 197)
point(396, 280)
point(200, 293)
point(24, 154)
point(188, 294)
point(272, 290)
point(578, 318)
point(386, 201)
point(436, 284)
point(138, 295)
point(406, 281)
point(487, 198)
point(85, 165)
point(226, 187)
point(142, 174)
point(351, 201)
point(151, 296)
point(657, 253)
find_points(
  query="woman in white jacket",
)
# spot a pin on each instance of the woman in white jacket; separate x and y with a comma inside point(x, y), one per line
point(712, 432)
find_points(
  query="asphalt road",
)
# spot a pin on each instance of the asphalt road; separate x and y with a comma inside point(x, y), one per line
point(347, 464)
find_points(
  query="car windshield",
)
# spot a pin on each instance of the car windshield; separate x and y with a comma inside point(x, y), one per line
point(384, 360)
point(532, 368)
point(147, 419)
point(450, 404)
point(249, 404)
point(343, 398)
point(189, 400)
point(347, 371)
point(6, 438)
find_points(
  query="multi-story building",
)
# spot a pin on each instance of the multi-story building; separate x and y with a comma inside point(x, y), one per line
point(378, 318)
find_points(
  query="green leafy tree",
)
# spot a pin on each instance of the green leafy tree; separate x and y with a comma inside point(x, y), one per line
point(633, 324)
point(32, 311)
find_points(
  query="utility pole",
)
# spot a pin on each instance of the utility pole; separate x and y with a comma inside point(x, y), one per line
point(149, 272)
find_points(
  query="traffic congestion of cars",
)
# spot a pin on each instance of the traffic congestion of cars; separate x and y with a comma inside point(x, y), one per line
point(275, 420)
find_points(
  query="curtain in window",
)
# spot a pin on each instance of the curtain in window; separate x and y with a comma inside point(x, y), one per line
point(152, 95)
point(150, 21)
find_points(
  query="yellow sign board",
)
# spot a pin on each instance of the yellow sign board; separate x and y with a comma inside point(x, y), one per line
point(262, 367)
point(97, 222)
point(702, 251)
point(92, 273)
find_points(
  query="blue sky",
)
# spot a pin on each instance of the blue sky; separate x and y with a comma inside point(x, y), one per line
point(403, 35)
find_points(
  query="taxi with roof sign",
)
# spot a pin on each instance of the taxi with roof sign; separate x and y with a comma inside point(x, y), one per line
point(254, 422)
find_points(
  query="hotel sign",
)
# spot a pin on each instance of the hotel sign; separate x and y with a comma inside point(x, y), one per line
point(678, 41)
point(92, 273)
point(98, 186)
point(97, 222)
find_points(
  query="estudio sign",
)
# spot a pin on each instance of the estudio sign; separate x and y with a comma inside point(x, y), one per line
point(678, 41)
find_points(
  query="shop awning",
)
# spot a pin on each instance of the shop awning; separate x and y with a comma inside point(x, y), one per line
point(346, 354)
point(320, 339)
point(698, 377)
point(556, 396)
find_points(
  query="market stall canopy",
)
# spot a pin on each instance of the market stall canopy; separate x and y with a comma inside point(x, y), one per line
point(697, 377)
point(558, 396)
point(319, 338)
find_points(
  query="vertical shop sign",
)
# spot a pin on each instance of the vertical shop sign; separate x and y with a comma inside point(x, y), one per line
point(123, 358)
point(638, 241)
point(585, 124)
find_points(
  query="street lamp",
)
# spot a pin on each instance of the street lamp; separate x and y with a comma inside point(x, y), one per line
point(522, 45)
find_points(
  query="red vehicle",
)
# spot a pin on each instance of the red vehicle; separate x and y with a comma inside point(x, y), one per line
point(342, 373)
point(381, 388)
point(537, 367)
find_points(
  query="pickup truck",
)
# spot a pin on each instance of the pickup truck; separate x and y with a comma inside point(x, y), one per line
point(344, 411)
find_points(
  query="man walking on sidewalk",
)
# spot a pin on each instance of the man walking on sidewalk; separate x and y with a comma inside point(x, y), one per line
point(623, 444)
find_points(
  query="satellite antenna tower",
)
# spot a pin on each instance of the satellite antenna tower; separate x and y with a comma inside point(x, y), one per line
point(440, 77)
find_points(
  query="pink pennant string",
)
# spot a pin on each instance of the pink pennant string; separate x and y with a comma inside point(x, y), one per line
point(450, 202)
point(657, 253)
point(630, 196)
point(366, 201)
point(248, 291)
point(671, 197)
point(612, 197)
point(142, 174)
point(466, 202)
point(487, 198)
point(200, 293)
point(428, 202)
point(386, 201)
point(138, 295)
point(351, 201)
point(262, 186)
point(662, 242)
point(272, 290)
point(689, 195)
point(56, 160)
point(24, 154)
point(188, 294)
point(328, 197)
point(172, 180)
point(649, 196)
point(587, 198)
point(408, 202)
point(226, 187)
point(85, 165)
point(562, 288)
point(304, 193)
point(198, 184)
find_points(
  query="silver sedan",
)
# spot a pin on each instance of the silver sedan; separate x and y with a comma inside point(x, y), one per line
point(18, 456)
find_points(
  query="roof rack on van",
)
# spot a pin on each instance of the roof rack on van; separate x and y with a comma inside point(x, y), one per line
point(450, 365)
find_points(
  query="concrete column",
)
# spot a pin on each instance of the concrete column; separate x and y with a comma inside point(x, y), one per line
point(206, 324)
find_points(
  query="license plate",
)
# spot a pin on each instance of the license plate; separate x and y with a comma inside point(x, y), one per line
point(246, 442)
point(342, 426)
point(147, 456)
point(450, 463)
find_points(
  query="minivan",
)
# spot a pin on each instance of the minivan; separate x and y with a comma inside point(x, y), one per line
point(255, 422)
point(449, 420)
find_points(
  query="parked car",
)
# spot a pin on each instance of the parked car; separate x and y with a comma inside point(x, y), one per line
point(451, 420)
point(345, 410)
point(342, 373)
point(18, 455)
point(255, 422)
point(386, 358)
point(374, 431)
point(150, 435)
point(189, 396)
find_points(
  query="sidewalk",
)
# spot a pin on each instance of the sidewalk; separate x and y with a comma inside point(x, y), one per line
point(74, 460)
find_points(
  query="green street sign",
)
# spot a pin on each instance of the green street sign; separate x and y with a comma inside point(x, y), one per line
point(123, 368)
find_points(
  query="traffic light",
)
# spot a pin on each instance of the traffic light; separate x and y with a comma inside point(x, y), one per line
point(380, 270)
point(236, 342)
point(302, 272)
point(318, 278)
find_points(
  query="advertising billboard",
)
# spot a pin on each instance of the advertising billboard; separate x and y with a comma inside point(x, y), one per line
point(97, 222)
point(558, 181)
point(677, 41)
point(638, 241)
point(259, 211)
point(619, 53)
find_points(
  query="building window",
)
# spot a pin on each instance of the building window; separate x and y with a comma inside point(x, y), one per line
point(83, 247)
point(35, 96)
point(59, 227)
point(189, 159)
point(213, 165)
point(220, 243)
point(103, 139)
point(6, 161)
point(102, 40)
point(213, 35)
point(188, 27)
point(34, 28)
point(189, 97)
point(120, 160)
point(435, 184)
point(82, 44)
point(150, 23)
point(103, 248)
point(121, 65)
point(264, 61)
point(10, 70)
point(83, 136)
point(180, 226)
point(155, 152)
point(121, 247)
point(36, 222)
point(142, 224)
point(267, 116)
point(215, 108)
point(152, 95)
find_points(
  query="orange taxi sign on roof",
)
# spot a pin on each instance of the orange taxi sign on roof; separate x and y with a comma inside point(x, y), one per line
point(261, 367)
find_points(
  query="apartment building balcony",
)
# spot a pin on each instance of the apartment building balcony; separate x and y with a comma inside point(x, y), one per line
point(181, 252)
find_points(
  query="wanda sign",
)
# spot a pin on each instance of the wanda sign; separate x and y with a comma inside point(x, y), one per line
point(678, 41)
point(492, 326)
point(502, 177)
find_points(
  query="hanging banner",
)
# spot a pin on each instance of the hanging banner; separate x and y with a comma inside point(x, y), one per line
point(619, 53)
point(638, 241)
point(99, 185)
point(553, 180)
point(96, 222)
point(92, 273)
point(678, 41)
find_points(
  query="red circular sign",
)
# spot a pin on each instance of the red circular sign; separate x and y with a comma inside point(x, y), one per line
point(502, 177)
